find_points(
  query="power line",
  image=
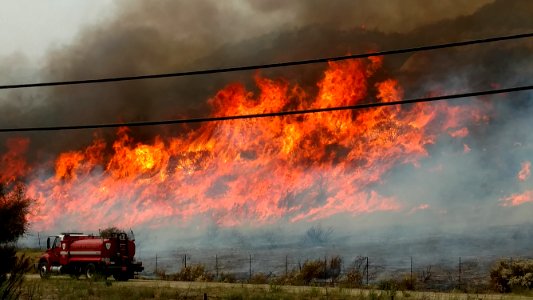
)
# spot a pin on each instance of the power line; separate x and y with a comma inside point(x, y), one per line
point(273, 114)
point(268, 66)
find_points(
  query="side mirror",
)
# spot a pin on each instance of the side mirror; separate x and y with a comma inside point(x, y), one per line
point(48, 243)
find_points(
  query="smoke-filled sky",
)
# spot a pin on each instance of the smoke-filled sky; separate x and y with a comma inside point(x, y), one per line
point(456, 165)
point(32, 28)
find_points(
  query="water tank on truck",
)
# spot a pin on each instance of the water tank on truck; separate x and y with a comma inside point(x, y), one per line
point(77, 253)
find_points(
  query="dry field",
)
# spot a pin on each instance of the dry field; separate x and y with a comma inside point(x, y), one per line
point(66, 288)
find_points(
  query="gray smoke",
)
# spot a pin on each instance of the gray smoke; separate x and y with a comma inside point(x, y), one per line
point(169, 36)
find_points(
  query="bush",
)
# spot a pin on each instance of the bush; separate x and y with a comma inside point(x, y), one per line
point(388, 285)
point(193, 273)
point(161, 273)
point(110, 232)
point(352, 279)
point(334, 269)
point(311, 270)
point(354, 275)
point(406, 283)
point(259, 278)
point(14, 207)
point(506, 276)
point(10, 288)
point(291, 278)
point(317, 235)
point(227, 277)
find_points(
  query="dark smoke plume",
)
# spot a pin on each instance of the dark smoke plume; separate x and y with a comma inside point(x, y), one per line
point(168, 36)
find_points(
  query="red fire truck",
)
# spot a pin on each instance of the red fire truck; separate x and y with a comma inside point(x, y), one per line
point(76, 254)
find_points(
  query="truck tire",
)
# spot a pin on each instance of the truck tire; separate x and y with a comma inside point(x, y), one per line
point(43, 270)
point(90, 271)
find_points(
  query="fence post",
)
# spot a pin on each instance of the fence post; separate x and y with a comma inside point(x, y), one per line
point(250, 275)
point(325, 270)
point(367, 271)
point(411, 270)
point(156, 264)
point(216, 265)
point(460, 271)
point(286, 265)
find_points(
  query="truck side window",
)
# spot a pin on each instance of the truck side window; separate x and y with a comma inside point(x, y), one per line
point(56, 242)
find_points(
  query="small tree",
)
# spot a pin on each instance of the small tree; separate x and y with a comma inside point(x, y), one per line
point(193, 273)
point(14, 208)
point(110, 232)
point(354, 273)
point(506, 276)
point(318, 235)
point(311, 270)
point(334, 270)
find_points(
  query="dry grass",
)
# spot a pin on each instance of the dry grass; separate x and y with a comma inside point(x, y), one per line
point(32, 254)
point(263, 287)
point(65, 288)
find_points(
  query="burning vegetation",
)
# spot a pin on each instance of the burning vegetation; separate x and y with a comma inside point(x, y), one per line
point(291, 168)
point(395, 172)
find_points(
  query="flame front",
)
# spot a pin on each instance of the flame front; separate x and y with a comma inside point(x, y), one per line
point(254, 171)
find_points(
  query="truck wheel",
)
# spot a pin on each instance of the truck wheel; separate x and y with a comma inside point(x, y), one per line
point(43, 271)
point(90, 271)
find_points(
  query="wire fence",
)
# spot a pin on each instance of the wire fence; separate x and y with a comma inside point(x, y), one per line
point(322, 265)
point(363, 270)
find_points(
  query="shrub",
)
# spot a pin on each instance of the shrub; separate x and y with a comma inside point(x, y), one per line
point(388, 285)
point(259, 278)
point(312, 269)
point(354, 274)
point(291, 278)
point(14, 208)
point(110, 232)
point(334, 269)
point(161, 273)
point(353, 278)
point(407, 283)
point(227, 277)
point(193, 273)
point(10, 287)
point(506, 276)
point(318, 235)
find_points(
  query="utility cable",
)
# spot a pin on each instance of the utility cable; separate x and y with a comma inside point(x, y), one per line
point(269, 66)
point(272, 114)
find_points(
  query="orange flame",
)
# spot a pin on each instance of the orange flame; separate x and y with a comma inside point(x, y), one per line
point(13, 164)
point(253, 171)
point(517, 199)
point(525, 171)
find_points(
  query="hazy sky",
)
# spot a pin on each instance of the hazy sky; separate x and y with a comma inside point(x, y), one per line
point(31, 27)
